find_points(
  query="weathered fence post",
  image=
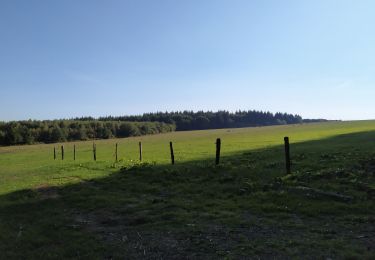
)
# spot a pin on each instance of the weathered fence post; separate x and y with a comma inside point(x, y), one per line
point(287, 155)
point(94, 151)
point(74, 152)
point(116, 152)
point(62, 152)
point(218, 148)
point(54, 153)
point(172, 153)
point(140, 151)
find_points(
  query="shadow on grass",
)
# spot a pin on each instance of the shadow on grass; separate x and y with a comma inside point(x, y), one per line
point(247, 206)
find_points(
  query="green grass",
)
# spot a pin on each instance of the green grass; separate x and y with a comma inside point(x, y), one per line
point(247, 206)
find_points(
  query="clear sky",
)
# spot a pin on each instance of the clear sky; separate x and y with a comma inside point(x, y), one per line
point(62, 59)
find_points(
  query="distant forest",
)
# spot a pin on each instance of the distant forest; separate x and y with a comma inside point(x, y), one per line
point(30, 132)
point(189, 120)
point(88, 128)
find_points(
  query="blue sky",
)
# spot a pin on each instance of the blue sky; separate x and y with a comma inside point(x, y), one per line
point(62, 59)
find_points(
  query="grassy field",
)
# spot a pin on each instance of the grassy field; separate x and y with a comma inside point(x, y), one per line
point(246, 207)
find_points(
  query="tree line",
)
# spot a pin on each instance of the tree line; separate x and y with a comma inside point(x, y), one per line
point(32, 131)
point(189, 120)
point(87, 128)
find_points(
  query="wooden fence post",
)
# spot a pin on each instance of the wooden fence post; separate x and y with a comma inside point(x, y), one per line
point(62, 152)
point(94, 151)
point(172, 153)
point(140, 151)
point(54, 153)
point(116, 152)
point(218, 149)
point(74, 152)
point(287, 155)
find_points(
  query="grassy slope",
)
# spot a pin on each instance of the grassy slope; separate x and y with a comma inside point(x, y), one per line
point(247, 206)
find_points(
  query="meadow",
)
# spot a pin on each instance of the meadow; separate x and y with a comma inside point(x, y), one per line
point(245, 207)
